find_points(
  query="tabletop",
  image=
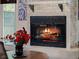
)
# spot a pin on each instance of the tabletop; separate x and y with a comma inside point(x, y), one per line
point(30, 55)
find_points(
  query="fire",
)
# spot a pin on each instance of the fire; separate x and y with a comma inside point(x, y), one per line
point(51, 33)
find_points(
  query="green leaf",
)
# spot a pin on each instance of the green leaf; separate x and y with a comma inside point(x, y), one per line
point(20, 43)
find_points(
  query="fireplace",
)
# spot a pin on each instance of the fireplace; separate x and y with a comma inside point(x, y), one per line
point(48, 31)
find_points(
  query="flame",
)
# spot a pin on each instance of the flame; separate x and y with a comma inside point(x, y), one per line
point(51, 33)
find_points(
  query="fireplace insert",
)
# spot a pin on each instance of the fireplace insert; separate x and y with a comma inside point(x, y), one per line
point(48, 31)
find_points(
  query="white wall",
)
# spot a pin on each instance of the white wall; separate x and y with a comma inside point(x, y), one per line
point(51, 10)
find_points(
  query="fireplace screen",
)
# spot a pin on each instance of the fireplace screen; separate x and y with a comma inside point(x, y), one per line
point(48, 31)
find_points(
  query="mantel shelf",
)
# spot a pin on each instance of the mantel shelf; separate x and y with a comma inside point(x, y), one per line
point(46, 2)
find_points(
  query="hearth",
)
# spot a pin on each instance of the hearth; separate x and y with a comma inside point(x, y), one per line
point(48, 31)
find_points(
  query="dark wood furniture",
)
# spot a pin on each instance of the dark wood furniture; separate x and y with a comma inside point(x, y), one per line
point(3, 54)
point(31, 55)
point(7, 1)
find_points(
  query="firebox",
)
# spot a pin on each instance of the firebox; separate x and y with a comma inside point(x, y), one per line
point(48, 31)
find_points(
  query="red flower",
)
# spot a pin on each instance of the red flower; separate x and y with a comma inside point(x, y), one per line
point(22, 37)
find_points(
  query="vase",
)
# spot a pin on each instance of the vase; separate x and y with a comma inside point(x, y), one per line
point(19, 50)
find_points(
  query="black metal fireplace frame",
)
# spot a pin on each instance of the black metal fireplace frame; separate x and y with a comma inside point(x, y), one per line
point(37, 21)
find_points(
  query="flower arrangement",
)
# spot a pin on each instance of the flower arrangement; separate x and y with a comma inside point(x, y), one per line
point(21, 37)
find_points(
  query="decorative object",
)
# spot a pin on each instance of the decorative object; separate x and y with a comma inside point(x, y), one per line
point(61, 7)
point(22, 10)
point(19, 50)
point(21, 38)
point(9, 37)
point(32, 7)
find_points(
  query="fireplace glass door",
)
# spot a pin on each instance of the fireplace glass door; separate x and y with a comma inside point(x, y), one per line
point(48, 31)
